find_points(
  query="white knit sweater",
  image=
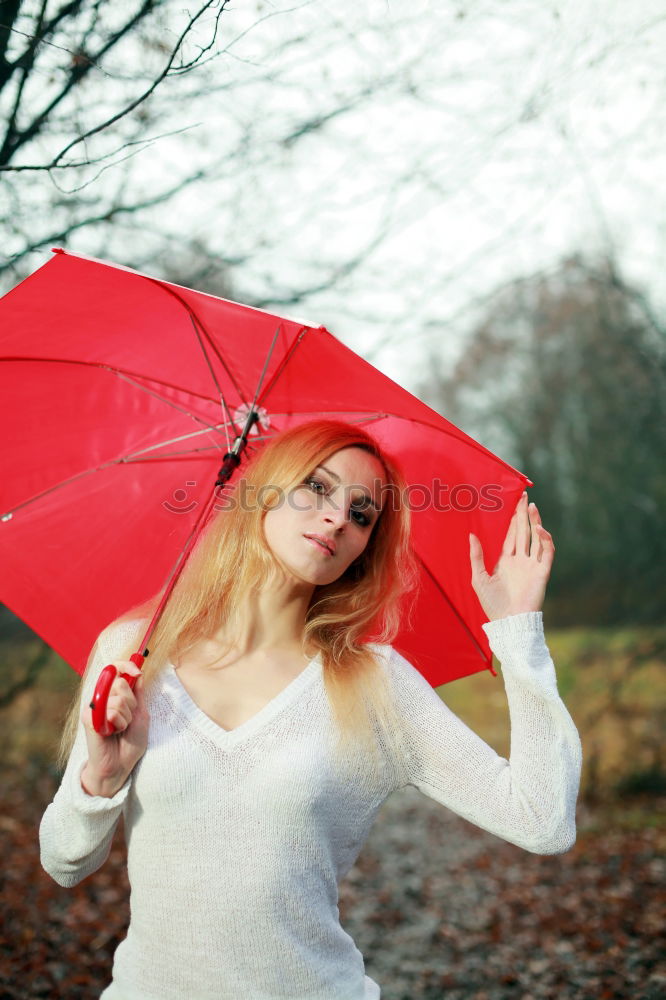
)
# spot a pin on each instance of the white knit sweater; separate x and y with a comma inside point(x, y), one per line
point(237, 840)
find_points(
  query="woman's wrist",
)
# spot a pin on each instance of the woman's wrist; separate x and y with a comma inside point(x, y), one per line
point(511, 613)
point(104, 788)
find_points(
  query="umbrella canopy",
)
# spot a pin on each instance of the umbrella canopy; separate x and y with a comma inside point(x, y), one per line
point(119, 396)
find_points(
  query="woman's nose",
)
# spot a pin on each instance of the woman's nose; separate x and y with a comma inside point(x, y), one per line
point(335, 514)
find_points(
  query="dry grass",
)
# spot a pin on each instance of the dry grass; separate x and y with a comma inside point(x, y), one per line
point(30, 726)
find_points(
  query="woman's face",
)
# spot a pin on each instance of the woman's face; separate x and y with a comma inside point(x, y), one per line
point(322, 526)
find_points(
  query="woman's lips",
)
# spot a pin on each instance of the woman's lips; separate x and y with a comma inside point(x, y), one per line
point(321, 543)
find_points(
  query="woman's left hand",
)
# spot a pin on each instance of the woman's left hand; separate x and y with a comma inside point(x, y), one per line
point(518, 582)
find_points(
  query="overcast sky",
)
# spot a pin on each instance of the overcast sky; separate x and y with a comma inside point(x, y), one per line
point(501, 137)
point(485, 140)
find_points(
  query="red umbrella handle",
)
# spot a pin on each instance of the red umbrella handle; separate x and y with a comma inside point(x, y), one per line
point(100, 698)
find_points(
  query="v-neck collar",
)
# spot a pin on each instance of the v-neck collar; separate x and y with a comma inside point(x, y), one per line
point(227, 737)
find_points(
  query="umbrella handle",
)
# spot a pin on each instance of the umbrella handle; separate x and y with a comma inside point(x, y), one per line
point(100, 698)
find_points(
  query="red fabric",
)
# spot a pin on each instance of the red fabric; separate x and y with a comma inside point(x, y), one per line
point(99, 363)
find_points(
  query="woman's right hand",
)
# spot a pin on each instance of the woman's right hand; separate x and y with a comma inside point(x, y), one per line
point(112, 758)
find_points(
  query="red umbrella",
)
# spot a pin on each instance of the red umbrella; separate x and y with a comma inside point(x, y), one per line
point(120, 395)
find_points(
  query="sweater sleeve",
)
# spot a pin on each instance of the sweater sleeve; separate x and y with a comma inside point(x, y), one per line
point(77, 829)
point(529, 800)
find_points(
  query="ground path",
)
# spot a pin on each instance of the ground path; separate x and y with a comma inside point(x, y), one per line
point(441, 911)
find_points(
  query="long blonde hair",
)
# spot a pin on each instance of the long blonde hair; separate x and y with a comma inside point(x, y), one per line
point(231, 560)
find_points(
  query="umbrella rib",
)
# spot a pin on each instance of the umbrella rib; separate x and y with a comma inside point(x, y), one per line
point(167, 456)
point(124, 460)
point(181, 437)
point(133, 381)
point(198, 326)
point(136, 458)
point(283, 364)
point(367, 418)
point(7, 515)
point(169, 402)
point(266, 360)
point(448, 600)
point(114, 371)
point(225, 408)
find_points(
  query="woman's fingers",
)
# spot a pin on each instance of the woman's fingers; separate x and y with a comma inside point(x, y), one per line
point(118, 719)
point(547, 548)
point(127, 667)
point(476, 556)
point(534, 520)
point(509, 546)
point(119, 711)
point(542, 549)
point(122, 700)
point(522, 527)
point(121, 703)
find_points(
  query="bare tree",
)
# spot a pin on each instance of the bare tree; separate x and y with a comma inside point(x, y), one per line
point(566, 377)
point(369, 161)
point(78, 87)
point(96, 96)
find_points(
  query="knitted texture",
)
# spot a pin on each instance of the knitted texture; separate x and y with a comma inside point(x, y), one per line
point(237, 840)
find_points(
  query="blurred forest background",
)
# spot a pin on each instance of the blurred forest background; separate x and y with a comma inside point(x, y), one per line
point(470, 196)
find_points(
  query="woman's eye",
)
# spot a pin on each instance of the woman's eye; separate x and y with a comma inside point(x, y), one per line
point(360, 517)
point(315, 485)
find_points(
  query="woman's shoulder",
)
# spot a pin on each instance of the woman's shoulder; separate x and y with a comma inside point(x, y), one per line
point(382, 651)
point(405, 679)
point(120, 634)
point(393, 661)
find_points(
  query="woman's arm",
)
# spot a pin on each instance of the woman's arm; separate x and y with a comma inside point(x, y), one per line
point(77, 828)
point(528, 800)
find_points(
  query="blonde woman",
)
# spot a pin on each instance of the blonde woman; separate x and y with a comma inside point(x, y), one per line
point(266, 731)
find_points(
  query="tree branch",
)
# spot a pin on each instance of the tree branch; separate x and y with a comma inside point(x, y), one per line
point(27, 63)
point(10, 9)
point(58, 236)
point(139, 100)
point(79, 70)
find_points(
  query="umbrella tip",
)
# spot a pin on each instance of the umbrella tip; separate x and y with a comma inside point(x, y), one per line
point(57, 250)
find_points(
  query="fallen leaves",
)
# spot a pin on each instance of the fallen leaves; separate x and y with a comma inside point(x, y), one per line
point(440, 910)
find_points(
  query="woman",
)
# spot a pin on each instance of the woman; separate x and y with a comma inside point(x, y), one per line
point(266, 732)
